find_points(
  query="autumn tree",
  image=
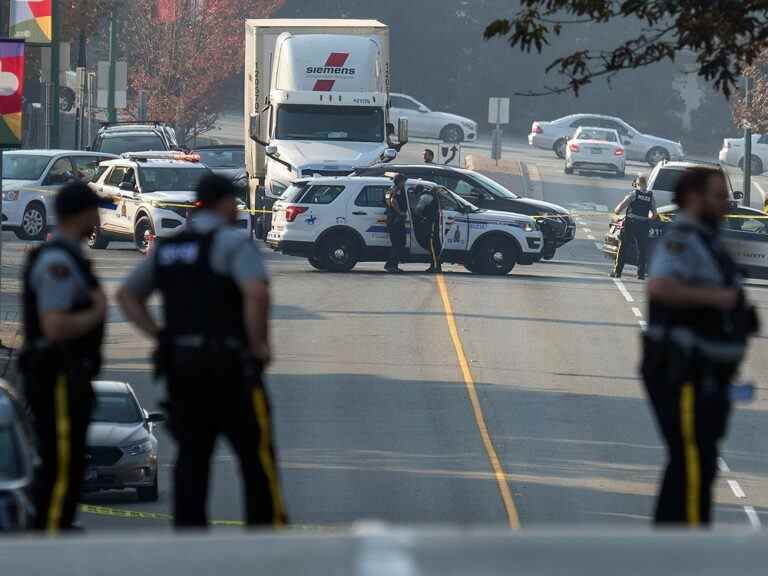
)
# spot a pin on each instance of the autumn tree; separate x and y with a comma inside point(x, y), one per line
point(756, 114)
point(725, 36)
point(181, 52)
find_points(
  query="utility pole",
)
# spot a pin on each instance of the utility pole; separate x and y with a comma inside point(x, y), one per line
point(111, 111)
point(55, 75)
point(747, 168)
point(80, 94)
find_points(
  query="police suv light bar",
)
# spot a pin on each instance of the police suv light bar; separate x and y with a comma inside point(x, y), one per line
point(184, 156)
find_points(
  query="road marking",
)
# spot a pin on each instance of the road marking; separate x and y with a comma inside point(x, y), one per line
point(590, 237)
point(754, 519)
point(643, 324)
point(636, 312)
point(736, 489)
point(760, 189)
point(623, 290)
point(501, 478)
point(722, 466)
point(599, 245)
point(588, 230)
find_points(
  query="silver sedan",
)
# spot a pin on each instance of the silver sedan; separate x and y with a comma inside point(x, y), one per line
point(122, 446)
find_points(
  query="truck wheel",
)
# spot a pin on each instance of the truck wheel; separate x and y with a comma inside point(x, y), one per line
point(33, 222)
point(149, 493)
point(141, 233)
point(315, 263)
point(496, 256)
point(97, 241)
point(757, 165)
point(338, 252)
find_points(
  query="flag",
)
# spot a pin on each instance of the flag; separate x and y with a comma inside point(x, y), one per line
point(31, 20)
point(11, 92)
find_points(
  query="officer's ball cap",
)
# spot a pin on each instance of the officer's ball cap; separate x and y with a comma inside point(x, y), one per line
point(213, 187)
point(74, 198)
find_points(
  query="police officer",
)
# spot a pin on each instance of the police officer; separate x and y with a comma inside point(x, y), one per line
point(212, 348)
point(699, 322)
point(429, 156)
point(427, 216)
point(397, 210)
point(64, 312)
point(638, 205)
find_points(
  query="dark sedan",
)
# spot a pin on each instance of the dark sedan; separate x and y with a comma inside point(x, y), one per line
point(228, 160)
point(556, 223)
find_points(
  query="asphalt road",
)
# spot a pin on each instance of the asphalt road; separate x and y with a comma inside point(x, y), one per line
point(383, 411)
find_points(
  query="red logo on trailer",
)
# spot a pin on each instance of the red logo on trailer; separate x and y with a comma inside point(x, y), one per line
point(334, 66)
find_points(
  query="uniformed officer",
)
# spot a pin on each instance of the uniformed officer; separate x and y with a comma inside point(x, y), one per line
point(429, 156)
point(64, 312)
point(427, 222)
point(397, 210)
point(212, 348)
point(699, 322)
point(639, 204)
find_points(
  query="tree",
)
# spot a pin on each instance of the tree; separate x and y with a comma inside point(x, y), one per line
point(182, 59)
point(725, 36)
point(756, 115)
point(82, 16)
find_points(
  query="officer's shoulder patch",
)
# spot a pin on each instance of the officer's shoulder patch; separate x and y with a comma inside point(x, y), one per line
point(59, 271)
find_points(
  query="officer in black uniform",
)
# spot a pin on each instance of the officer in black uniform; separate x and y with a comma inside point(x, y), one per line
point(638, 205)
point(64, 313)
point(212, 349)
point(698, 326)
point(427, 222)
point(397, 211)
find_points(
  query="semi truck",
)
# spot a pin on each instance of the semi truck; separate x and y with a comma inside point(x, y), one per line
point(316, 102)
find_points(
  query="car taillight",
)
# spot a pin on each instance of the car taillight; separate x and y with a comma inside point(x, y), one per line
point(574, 147)
point(292, 211)
point(536, 129)
point(726, 145)
point(618, 152)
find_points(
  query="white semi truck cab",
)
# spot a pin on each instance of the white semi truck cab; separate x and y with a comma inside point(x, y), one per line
point(316, 101)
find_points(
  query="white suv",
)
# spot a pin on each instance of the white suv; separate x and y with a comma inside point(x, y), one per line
point(147, 194)
point(338, 222)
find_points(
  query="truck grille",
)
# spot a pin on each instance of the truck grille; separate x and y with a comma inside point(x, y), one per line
point(102, 455)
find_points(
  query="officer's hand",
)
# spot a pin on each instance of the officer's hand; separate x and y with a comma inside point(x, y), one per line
point(262, 354)
point(99, 300)
point(728, 298)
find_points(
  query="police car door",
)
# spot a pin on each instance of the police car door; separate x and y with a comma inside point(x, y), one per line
point(110, 191)
point(455, 222)
point(747, 239)
point(367, 214)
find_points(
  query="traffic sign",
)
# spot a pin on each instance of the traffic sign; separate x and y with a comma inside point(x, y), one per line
point(121, 84)
point(498, 110)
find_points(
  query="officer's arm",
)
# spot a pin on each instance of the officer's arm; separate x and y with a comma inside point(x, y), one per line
point(623, 204)
point(654, 212)
point(132, 297)
point(256, 306)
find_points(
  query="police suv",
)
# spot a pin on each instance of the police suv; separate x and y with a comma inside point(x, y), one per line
point(147, 195)
point(337, 222)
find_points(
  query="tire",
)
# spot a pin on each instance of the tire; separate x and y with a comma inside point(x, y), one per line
point(656, 155)
point(452, 133)
point(757, 165)
point(142, 228)
point(568, 170)
point(316, 264)
point(338, 252)
point(621, 174)
point(149, 493)
point(559, 148)
point(97, 241)
point(548, 254)
point(33, 222)
point(496, 256)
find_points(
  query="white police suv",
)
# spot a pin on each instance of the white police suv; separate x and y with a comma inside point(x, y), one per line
point(337, 222)
point(147, 195)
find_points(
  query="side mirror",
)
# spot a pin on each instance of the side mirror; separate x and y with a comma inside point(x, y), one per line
point(388, 155)
point(626, 142)
point(738, 195)
point(254, 126)
point(155, 417)
point(402, 131)
point(270, 150)
point(423, 109)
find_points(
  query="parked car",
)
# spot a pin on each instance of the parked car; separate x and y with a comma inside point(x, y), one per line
point(664, 176)
point(595, 149)
point(638, 146)
point(121, 450)
point(227, 160)
point(30, 180)
point(120, 137)
point(732, 152)
point(17, 462)
point(556, 223)
point(425, 123)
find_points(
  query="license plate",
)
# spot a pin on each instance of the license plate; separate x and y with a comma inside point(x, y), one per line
point(90, 475)
point(596, 151)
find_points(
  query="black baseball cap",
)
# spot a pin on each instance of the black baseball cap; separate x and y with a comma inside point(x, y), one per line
point(74, 198)
point(213, 187)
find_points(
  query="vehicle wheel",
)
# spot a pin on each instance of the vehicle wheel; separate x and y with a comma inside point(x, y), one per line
point(316, 264)
point(338, 252)
point(452, 133)
point(548, 253)
point(656, 155)
point(496, 256)
point(149, 493)
point(559, 148)
point(621, 174)
point(33, 222)
point(568, 170)
point(141, 234)
point(757, 165)
point(97, 241)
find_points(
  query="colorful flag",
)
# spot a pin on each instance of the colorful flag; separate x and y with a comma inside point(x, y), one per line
point(31, 20)
point(11, 91)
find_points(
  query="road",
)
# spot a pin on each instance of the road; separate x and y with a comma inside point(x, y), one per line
point(402, 399)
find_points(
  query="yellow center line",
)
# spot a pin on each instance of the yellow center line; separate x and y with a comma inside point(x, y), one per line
point(501, 478)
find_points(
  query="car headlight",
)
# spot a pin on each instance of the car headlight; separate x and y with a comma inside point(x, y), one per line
point(139, 448)
point(525, 225)
point(11, 195)
point(469, 124)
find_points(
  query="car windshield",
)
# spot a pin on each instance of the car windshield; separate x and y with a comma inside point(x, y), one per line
point(452, 196)
point(170, 178)
point(24, 166)
point(497, 188)
point(116, 407)
point(346, 124)
point(127, 142)
point(596, 134)
point(223, 158)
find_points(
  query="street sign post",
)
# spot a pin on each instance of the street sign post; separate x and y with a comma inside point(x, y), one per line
point(498, 114)
point(119, 100)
